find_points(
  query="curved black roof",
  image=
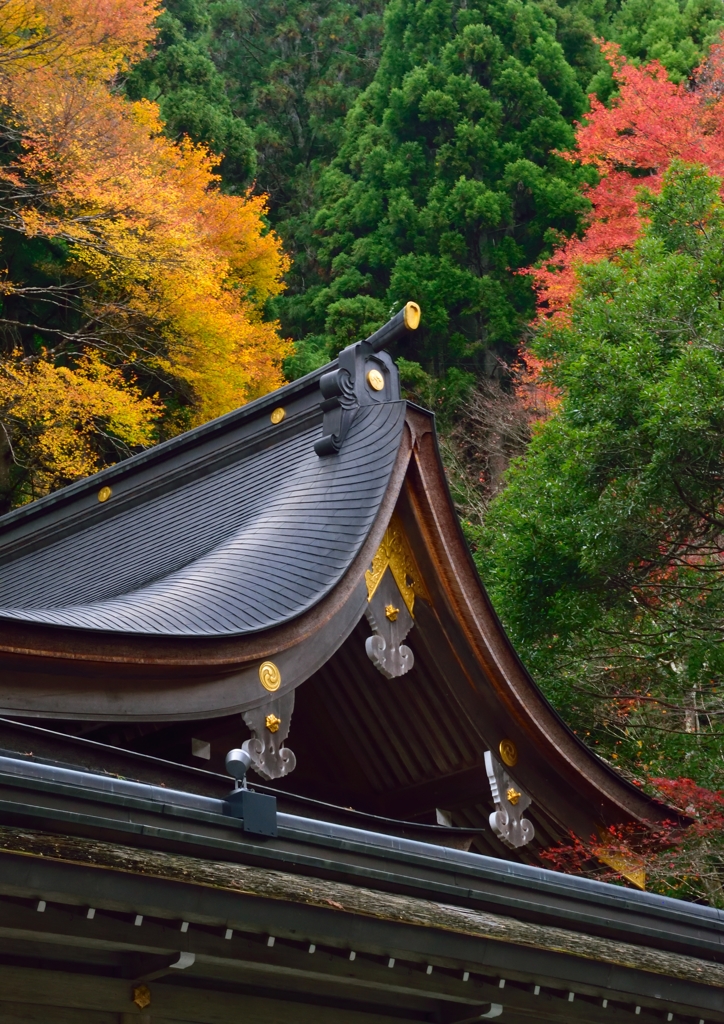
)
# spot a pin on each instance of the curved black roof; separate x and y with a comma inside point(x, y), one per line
point(248, 538)
point(231, 529)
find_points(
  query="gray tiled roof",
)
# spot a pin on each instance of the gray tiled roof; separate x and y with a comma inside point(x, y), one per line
point(231, 529)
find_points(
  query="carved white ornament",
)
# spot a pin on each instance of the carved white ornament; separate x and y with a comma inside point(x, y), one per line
point(507, 820)
point(269, 725)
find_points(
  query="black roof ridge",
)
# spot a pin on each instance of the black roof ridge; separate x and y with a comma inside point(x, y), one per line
point(159, 452)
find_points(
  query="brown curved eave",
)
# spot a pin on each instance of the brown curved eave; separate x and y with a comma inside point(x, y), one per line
point(523, 703)
point(29, 647)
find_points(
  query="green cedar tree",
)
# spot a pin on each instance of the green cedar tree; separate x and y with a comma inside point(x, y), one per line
point(448, 181)
point(268, 85)
point(192, 93)
point(675, 32)
point(603, 554)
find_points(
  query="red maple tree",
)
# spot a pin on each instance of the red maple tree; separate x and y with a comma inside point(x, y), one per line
point(631, 143)
point(680, 857)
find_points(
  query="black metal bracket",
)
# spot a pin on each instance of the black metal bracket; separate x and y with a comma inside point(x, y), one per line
point(257, 810)
point(364, 376)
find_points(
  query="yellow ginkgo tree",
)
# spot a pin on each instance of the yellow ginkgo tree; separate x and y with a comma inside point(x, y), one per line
point(132, 288)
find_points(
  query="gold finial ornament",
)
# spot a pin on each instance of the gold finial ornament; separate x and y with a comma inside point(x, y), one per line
point(278, 415)
point(104, 494)
point(272, 723)
point(269, 676)
point(509, 753)
point(412, 316)
point(513, 796)
point(391, 612)
point(142, 996)
point(375, 380)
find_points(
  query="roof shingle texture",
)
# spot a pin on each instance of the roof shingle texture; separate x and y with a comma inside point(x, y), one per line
point(241, 548)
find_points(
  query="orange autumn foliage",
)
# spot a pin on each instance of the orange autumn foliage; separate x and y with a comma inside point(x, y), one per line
point(536, 396)
point(96, 37)
point(164, 277)
point(631, 143)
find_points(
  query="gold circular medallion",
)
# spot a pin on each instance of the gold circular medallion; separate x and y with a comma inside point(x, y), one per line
point(104, 494)
point(269, 676)
point(278, 415)
point(509, 753)
point(375, 380)
point(412, 316)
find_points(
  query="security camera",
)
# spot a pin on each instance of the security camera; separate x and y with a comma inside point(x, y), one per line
point(237, 764)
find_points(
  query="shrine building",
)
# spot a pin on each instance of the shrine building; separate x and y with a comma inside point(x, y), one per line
point(268, 755)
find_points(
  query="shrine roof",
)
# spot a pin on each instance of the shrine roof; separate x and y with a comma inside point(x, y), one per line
point(241, 567)
point(232, 528)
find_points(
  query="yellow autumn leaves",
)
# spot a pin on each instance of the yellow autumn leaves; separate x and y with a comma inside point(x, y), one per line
point(133, 291)
point(65, 412)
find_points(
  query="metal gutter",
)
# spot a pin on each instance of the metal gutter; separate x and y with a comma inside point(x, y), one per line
point(141, 812)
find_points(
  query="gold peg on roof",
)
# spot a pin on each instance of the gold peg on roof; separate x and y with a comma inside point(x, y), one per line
point(412, 316)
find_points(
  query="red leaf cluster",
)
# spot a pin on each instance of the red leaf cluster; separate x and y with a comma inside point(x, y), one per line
point(631, 143)
point(680, 857)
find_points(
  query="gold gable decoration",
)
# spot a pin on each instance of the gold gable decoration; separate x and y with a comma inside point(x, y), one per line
point(627, 864)
point(395, 552)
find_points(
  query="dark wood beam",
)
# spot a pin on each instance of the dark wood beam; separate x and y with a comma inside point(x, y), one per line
point(176, 1002)
point(60, 990)
point(289, 968)
point(470, 785)
point(284, 963)
point(25, 1013)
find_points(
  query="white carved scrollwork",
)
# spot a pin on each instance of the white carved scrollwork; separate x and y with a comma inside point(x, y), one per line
point(388, 616)
point(507, 820)
point(269, 726)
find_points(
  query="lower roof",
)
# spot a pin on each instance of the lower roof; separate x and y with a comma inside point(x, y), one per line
point(329, 920)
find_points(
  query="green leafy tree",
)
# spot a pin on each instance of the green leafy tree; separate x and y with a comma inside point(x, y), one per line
point(447, 181)
point(603, 554)
point(192, 93)
point(677, 33)
point(269, 86)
